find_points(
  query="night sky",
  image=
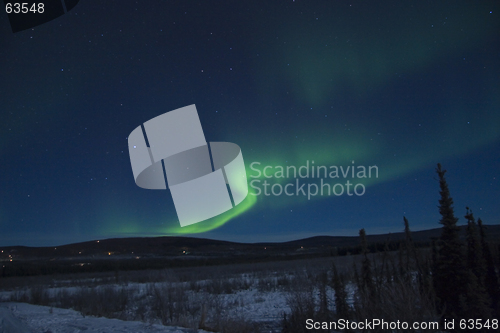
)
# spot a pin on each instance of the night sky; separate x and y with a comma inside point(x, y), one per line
point(402, 85)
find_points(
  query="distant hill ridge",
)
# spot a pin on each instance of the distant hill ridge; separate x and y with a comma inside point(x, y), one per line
point(168, 245)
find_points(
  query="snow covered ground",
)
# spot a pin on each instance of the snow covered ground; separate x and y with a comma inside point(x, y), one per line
point(237, 298)
point(27, 318)
point(251, 305)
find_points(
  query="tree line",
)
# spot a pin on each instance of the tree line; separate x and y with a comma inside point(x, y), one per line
point(456, 278)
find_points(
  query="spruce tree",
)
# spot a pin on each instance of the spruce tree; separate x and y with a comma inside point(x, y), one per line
point(411, 255)
point(450, 274)
point(477, 301)
point(386, 258)
point(414, 262)
point(408, 239)
point(365, 283)
point(341, 306)
point(366, 270)
point(324, 313)
point(490, 279)
point(475, 261)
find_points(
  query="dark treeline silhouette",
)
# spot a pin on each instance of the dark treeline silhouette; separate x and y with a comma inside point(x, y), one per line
point(456, 279)
point(460, 269)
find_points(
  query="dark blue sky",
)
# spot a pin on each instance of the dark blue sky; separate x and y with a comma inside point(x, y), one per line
point(402, 86)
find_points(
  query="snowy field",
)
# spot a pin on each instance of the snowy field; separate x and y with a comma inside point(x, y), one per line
point(263, 308)
point(27, 318)
point(233, 298)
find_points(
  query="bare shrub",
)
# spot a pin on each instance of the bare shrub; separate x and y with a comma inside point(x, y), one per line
point(266, 284)
point(301, 301)
point(173, 306)
point(237, 325)
point(400, 300)
point(107, 301)
point(19, 296)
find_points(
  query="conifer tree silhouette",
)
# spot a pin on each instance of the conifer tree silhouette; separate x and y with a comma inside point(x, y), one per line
point(450, 274)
